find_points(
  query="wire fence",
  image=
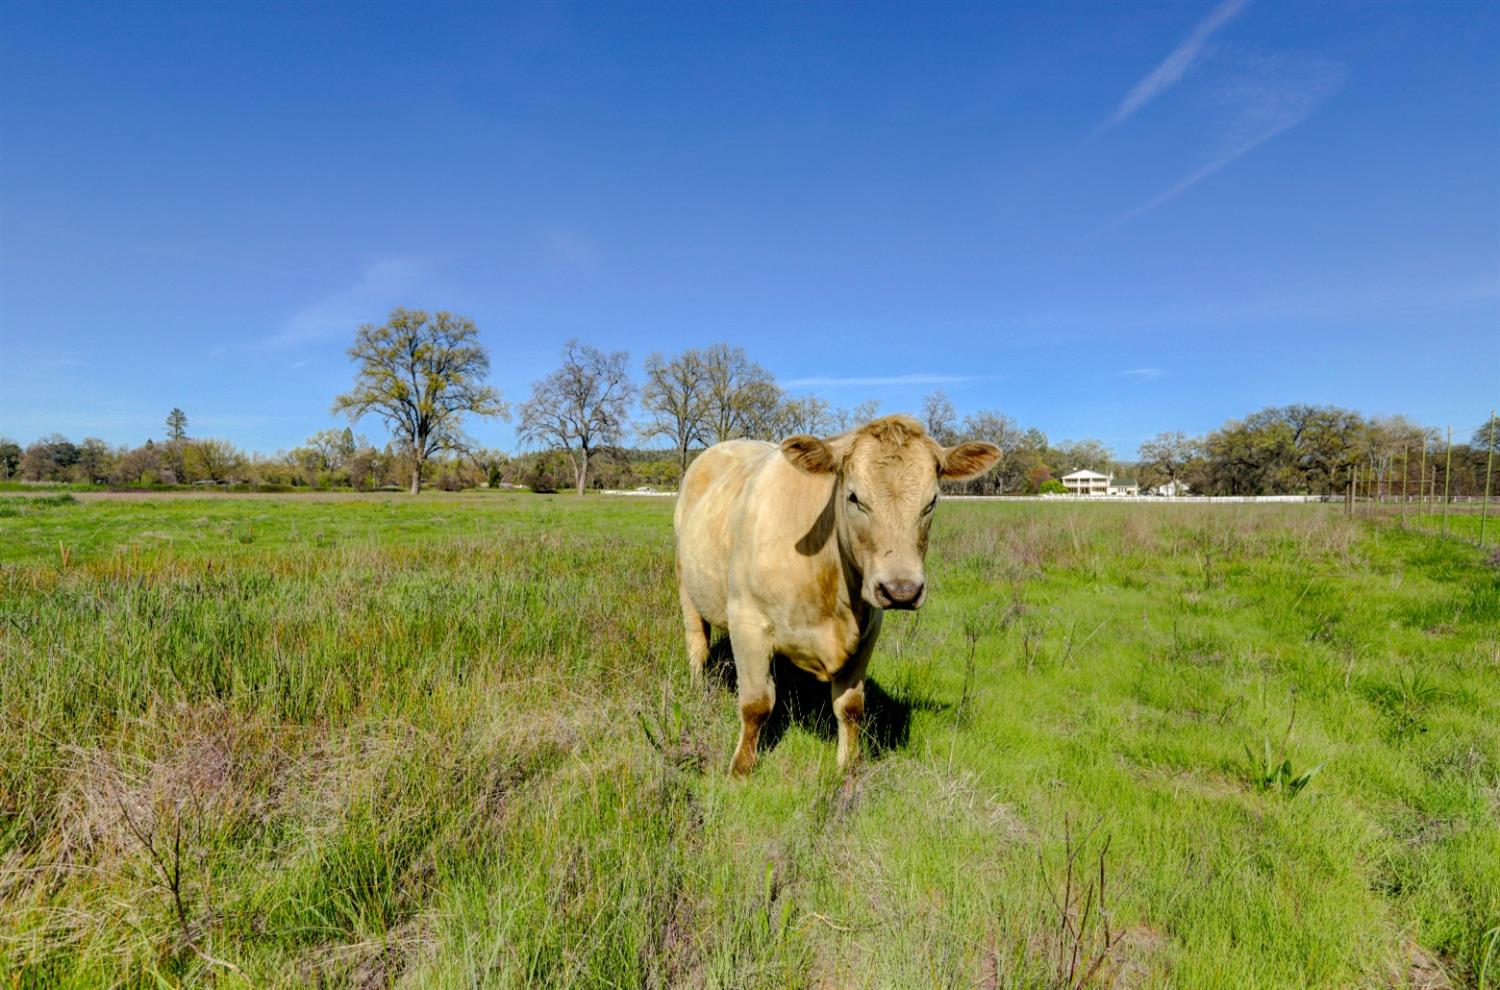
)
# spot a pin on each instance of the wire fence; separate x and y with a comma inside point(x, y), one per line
point(1423, 490)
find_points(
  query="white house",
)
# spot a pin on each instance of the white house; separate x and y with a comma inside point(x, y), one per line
point(1086, 483)
point(1173, 489)
point(1094, 483)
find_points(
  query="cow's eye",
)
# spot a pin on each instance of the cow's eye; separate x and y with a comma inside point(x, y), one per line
point(930, 506)
point(854, 501)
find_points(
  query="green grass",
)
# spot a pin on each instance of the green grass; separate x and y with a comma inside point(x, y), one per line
point(450, 742)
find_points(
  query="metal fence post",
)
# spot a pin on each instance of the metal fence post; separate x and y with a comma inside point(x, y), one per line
point(1489, 463)
point(1405, 459)
point(1447, 480)
point(1422, 483)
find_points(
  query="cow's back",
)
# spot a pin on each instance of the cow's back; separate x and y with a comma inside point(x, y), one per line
point(706, 509)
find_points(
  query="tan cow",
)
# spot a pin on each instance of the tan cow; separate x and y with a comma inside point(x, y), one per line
point(798, 549)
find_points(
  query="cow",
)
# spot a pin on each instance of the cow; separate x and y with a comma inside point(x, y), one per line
point(798, 549)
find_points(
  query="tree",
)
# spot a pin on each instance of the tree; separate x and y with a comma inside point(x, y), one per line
point(676, 397)
point(1285, 450)
point(581, 406)
point(421, 374)
point(490, 463)
point(741, 396)
point(1487, 437)
point(849, 419)
point(141, 466)
point(10, 458)
point(545, 470)
point(995, 427)
point(49, 459)
point(1080, 455)
point(1381, 444)
point(212, 460)
point(332, 448)
point(1164, 456)
point(365, 467)
point(1038, 476)
point(939, 418)
point(176, 424)
point(94, 461)
point(808, 414)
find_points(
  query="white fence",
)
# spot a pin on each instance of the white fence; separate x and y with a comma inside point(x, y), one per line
point(1081, 499)
point(1152, 499)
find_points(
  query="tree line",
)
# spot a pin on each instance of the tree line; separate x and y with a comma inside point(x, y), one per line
point(590, 424)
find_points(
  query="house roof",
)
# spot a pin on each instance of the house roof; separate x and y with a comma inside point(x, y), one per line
point(1085, 476)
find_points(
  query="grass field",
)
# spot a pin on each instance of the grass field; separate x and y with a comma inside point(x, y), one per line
point(450, 742)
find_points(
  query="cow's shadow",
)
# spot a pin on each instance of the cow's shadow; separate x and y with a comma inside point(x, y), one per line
point(805, 701)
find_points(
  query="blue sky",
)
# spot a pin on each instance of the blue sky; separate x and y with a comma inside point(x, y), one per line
point(1106, 220)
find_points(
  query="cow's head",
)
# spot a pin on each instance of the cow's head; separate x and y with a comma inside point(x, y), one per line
point(885, 489)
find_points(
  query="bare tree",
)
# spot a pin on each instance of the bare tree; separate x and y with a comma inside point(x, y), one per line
point(421, 373)
point(581, 406)
point(993, 426)
point(848, 419)
point(1002, 431)
point(1382, 441)
point(741, 396)
point(808, 414)
point(676, 397)
point(939, 418)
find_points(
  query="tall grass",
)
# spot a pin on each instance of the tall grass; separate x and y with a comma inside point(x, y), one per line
point(452, 742)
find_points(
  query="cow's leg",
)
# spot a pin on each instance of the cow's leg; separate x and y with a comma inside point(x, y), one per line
point(752, 667)
point(849, 709)
point(697, 629)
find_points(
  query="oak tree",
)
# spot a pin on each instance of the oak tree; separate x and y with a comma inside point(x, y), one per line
point(581, 406)
point(421, 374)
point(676, 398)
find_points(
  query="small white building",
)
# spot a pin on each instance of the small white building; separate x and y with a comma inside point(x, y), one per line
point(1094, 483)
point(1172, 489)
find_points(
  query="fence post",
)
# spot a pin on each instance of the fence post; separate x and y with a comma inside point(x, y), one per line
point(1422, 483)
point(1447, 480)
point(1405, 458)
point(1489, 463)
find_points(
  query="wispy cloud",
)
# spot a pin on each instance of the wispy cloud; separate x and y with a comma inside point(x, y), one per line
point(1142, 375)
point(1263, 98)
point(877, 381)
point(384, 284)
point(1176, 65)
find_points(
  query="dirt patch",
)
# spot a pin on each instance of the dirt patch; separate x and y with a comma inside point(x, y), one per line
point(1420, 970)
point(962, 795)
point(375, 964)
point(205, 764)
point(1138, 959)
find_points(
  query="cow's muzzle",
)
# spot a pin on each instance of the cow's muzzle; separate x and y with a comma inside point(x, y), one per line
point(900, 594)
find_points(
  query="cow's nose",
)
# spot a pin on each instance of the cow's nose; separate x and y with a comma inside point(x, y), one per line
point(900, 593)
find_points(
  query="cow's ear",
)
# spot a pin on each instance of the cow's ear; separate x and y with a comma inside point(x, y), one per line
point(809, 453)
point(967, 460)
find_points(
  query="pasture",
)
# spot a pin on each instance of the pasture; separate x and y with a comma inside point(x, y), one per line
point(451, 742)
